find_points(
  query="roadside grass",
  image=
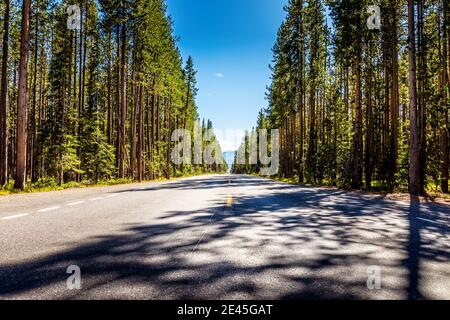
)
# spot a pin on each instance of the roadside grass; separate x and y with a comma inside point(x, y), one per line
point(46, 185)
point(433, 191)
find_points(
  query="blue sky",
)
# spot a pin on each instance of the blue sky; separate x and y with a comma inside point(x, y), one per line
point(230, 42)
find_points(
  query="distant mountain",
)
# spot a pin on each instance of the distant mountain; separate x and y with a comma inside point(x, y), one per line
point(228, 156)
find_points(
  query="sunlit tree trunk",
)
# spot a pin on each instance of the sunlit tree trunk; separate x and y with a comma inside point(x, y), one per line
point(3, 100)
point(414, 179)
point(446, 94)
point(21, 153)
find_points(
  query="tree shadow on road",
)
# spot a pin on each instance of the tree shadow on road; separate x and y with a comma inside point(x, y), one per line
point(281, 243)
point(200, 183)
point(420, 248)
point(414, 249)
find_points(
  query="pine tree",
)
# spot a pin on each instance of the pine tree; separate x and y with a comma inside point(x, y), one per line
point(414, 174)
point(22, 116)
point(3, 98)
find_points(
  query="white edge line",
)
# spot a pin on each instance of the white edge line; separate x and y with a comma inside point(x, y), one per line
point(15, 217)
point(201, 239)
point(112, 195)
point(49, 209)
point(95, 199)
point(75, 203)
point(427, 220)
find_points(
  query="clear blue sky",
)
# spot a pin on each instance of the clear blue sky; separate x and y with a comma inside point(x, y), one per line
point(230, 42)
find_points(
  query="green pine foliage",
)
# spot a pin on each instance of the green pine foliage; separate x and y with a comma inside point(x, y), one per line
point(103, 96)
point(339, 95)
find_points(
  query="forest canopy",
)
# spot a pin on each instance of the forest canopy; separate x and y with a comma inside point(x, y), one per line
point(93, 94)
point(361, 107)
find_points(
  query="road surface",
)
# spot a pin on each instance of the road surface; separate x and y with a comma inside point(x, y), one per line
point(222, 237)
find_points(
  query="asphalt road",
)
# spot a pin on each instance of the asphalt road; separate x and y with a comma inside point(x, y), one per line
point(222, 237)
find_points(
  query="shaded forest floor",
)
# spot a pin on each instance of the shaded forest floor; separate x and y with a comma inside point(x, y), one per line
point(433, 195)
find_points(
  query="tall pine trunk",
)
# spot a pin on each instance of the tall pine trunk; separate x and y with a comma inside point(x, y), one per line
point(369, 125)
point(33, 140)
point(310, 176)
point(109, 120)
point(414, 174)
point(394, 104)
point(135, 102)
point(3, 100)
point(140, 145)
point(422, 92)
point(122, 110)
point(21, 141)
point(446, 94)
point(357, 135)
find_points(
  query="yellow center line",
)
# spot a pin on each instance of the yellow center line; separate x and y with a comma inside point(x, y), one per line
point(229, 196)
point(229, 200)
